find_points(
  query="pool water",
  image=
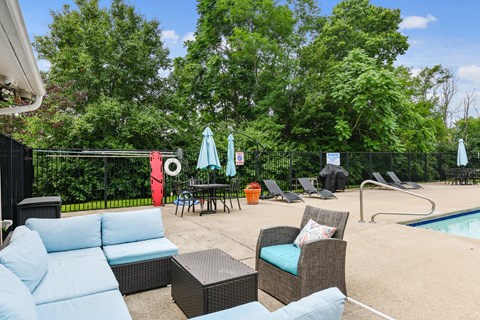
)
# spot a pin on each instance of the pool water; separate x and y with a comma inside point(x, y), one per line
point(465, 224)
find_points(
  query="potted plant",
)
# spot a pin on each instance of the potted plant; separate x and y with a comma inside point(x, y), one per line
point(252, 192)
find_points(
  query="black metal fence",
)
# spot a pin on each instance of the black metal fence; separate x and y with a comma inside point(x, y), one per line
point(16, 175)
point(86, 183)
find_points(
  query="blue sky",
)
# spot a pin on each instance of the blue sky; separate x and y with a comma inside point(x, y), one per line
point(440, 31)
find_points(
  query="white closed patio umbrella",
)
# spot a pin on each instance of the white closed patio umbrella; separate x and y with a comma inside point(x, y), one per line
point(462, 159)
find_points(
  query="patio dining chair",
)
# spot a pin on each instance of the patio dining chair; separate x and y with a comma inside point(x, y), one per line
point(234, 190)
point(275, 191)
point(187, 196)
point(289, 273)
point(308, 188)
point(185, 199)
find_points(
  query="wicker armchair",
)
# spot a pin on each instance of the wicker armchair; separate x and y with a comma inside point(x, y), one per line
point(321, 264)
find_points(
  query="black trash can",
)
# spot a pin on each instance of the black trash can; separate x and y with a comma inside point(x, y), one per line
point(40, 207)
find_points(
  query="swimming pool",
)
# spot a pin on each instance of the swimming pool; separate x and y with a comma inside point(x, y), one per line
point(465, 224)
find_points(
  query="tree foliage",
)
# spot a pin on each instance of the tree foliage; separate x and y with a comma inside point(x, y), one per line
point(238, 66)
point(279, 71)
point(113, 52)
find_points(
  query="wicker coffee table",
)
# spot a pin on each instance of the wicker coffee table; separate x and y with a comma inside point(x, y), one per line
point(211, 280)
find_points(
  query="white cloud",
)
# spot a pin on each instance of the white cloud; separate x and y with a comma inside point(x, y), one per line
point(417, 22)
point(170, 37)
point(470, 73)
point(189, 37)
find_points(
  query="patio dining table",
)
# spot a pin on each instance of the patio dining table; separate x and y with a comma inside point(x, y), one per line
point(209, 194)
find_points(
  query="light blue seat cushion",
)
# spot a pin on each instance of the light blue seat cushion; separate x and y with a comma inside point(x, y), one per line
point(68, 233)
point(248, 311)
point(139, 251)
point(73, 274)
point(16, 302)
point(100, 306)
point(26, 257)
point(327, 304)
point(284, 256)
point(122, 227)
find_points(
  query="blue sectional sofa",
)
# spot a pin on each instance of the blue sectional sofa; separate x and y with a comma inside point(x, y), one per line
point(62, 268)
point(327, 304)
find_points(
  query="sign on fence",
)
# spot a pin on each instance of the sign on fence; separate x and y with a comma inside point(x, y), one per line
point(239, 159)
point(333, 158)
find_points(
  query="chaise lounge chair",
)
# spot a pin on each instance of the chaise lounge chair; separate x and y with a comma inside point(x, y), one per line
point(275, 191)
point(380, 179)
point(310, 189)
point(395, 179)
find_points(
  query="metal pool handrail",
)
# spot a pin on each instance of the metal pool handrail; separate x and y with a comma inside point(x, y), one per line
point(372, 220)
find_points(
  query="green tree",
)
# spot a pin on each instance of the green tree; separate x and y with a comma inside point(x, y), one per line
point(104, 88)
point(114, 52)
point(368, 101)
point(354, 24)
point(238, 65)
point(360, 24)
point(472, 138)
point(427, 90)
point(114, 124)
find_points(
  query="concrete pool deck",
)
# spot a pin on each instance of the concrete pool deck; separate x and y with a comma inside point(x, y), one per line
point(404, 272)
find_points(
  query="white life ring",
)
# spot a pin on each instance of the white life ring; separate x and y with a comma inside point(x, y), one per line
point(177, 169)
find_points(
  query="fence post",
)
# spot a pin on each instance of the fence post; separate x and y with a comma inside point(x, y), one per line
point(426, 167)
point(370, 164)
point(347, 164)
point(440, 171)
point(409, 167)
point(255, 153)
point(321, 162)
point(105, 182)
point(290, 171)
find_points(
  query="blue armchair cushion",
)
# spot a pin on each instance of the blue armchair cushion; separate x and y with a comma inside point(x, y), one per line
point(26, 257)
point(132, 226)
point(99, 306)
point(248, 311)
point(16, 302)
point(73, 274)
point(139, 251)
point(284, 256)
point(325, 304)
point(68, 233)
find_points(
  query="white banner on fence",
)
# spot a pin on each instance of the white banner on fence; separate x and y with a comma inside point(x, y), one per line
point(333, 158)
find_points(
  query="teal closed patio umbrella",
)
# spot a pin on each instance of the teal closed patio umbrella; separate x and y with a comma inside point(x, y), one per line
point(462, 159)
point(231, 171)
point(208, 157)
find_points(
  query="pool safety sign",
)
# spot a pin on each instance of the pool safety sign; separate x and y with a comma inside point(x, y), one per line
point(333, 158)
point(239, 159)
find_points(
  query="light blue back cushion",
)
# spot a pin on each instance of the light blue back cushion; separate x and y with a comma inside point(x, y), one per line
point(68, 233)
point(283, 256)
point(327, 304)
point(122, 227)
point(27, 258)
point(16, 302)
point(19, 231)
